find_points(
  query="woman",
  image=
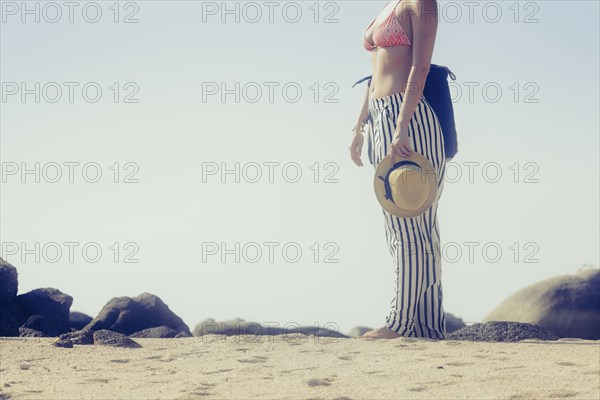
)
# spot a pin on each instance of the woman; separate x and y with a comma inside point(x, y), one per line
point(399, 120)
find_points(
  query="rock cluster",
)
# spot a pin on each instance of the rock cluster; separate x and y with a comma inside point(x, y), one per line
point(501, 331)
point(47, 312)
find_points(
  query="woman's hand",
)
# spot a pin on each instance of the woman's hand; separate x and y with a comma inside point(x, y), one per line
point(401, 145)
point(356, 147)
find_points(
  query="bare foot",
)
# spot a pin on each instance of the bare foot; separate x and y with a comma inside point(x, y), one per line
point(380, 333)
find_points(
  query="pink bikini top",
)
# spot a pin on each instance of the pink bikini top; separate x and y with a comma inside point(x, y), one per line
point(388, 34)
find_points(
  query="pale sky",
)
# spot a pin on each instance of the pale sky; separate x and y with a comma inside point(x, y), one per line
point(168, 206)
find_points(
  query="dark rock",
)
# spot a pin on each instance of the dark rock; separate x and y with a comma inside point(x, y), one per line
point(358, 331)
point(161, 313)
point(27, 332)
point(126, 315)
point(240, 327)
point(78, 320)
point(568, 305)
point(63, 343)
point(82, 337)
point(41, 324)
point(8, 283)
point(105, 337)
point(49, 303)
point(160, 332)
point(453, 323)
point(501, 331)
point(9, 324)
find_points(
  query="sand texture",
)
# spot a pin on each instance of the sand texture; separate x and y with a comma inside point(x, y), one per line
point(280, 367)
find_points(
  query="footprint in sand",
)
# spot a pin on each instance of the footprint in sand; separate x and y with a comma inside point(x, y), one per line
point(521, 396)
point(566, 363)
point(319, 382)
point(289, 371)
point(459, 363)
point(199, 392)
point(408, 346)
point(374, 372)
point(562, 393)
point(253, 360)
point(511, 367)
point(98, 380)
point(218, 371)
point(191, 353)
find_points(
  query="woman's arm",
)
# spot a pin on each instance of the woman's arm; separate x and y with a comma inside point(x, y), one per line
point(364, 111)
point(357, 135)
point(423, 15)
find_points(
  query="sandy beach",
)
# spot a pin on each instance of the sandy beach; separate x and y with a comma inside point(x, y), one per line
point(301, 367)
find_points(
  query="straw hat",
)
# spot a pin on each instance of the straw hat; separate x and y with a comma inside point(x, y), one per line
point(407, 188)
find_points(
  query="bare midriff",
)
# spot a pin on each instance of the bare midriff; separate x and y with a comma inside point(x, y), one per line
point(391, 67)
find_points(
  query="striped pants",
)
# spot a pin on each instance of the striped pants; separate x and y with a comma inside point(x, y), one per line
point(414, 243)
